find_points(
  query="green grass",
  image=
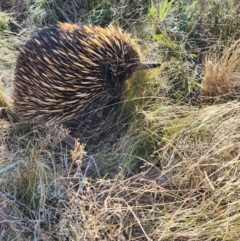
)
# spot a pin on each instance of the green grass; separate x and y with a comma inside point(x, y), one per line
point(167, 168)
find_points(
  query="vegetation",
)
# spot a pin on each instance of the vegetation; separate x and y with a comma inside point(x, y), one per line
point(168, 168)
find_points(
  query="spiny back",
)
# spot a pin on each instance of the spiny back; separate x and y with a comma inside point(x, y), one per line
point(66, 70)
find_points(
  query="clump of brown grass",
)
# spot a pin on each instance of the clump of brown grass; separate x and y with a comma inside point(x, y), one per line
point(200, 156)
point(222, 75)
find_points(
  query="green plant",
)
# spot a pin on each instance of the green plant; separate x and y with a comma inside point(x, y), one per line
point(175, 25)
point(188, 15)
point(162, 12)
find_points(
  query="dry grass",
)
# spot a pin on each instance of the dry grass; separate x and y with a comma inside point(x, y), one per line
point(169, 172)
point(222, 74)
point(193, 197)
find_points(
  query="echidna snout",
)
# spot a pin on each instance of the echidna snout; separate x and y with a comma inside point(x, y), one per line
point(66, 71)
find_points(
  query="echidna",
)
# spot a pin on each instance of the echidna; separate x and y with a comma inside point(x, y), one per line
point(66, 71)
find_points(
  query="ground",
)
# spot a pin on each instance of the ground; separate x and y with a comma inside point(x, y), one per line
point(169, 167)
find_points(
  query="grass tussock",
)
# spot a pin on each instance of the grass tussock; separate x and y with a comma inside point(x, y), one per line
point(222, 75)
